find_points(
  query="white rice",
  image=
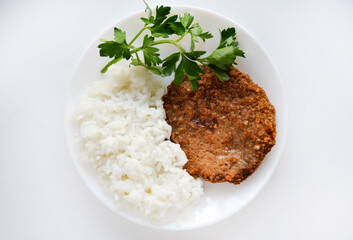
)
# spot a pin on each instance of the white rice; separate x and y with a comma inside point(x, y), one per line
point(123, 130)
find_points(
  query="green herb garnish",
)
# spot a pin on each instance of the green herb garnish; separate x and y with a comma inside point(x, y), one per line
point(160, 27)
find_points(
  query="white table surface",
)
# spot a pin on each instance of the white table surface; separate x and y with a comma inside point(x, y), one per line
point(310, 196)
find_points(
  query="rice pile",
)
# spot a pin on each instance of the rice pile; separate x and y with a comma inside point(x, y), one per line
point(124, 134)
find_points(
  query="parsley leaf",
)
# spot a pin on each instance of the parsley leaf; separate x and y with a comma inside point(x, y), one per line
point(179, 74)
point(225, 54)
point(195, 54)
point(228, 38)
point(161, 14)
point(115, 49)
point(191, 68)
point(222, 76)
point(205, 35)
point(196, 32)
point(119, 36)
point(177, 28)
point(192, 71)
point(186, 20)
point(164, 29)
point(150, 54)
point(222, 57)
point(169, 63)
point(161, 27)
point(181, 63)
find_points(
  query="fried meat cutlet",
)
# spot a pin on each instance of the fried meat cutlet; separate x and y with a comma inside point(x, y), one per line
point(225, 128)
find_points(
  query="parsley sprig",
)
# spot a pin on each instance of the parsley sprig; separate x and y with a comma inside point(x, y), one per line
point(161, 27)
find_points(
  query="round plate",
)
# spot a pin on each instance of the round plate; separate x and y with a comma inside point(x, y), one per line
point(220, 200)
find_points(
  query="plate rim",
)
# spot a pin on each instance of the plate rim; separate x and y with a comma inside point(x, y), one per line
point(263, 183)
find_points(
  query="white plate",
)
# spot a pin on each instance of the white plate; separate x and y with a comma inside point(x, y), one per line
point(219, 200)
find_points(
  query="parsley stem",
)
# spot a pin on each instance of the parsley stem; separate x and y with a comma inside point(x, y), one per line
point(170, 42)
point(137, 35)
point(160, 27)
point(109, 64)
point(137, 57)
point(181, 37)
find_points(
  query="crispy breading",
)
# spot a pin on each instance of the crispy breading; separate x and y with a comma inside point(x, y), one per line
point(225, 128)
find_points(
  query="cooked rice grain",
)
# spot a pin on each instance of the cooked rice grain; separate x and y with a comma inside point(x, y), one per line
point(123, 132)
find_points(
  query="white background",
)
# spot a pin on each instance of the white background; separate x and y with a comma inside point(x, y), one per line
point(310, 196)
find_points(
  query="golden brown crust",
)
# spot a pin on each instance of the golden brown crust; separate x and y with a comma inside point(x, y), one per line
point(225, 129)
